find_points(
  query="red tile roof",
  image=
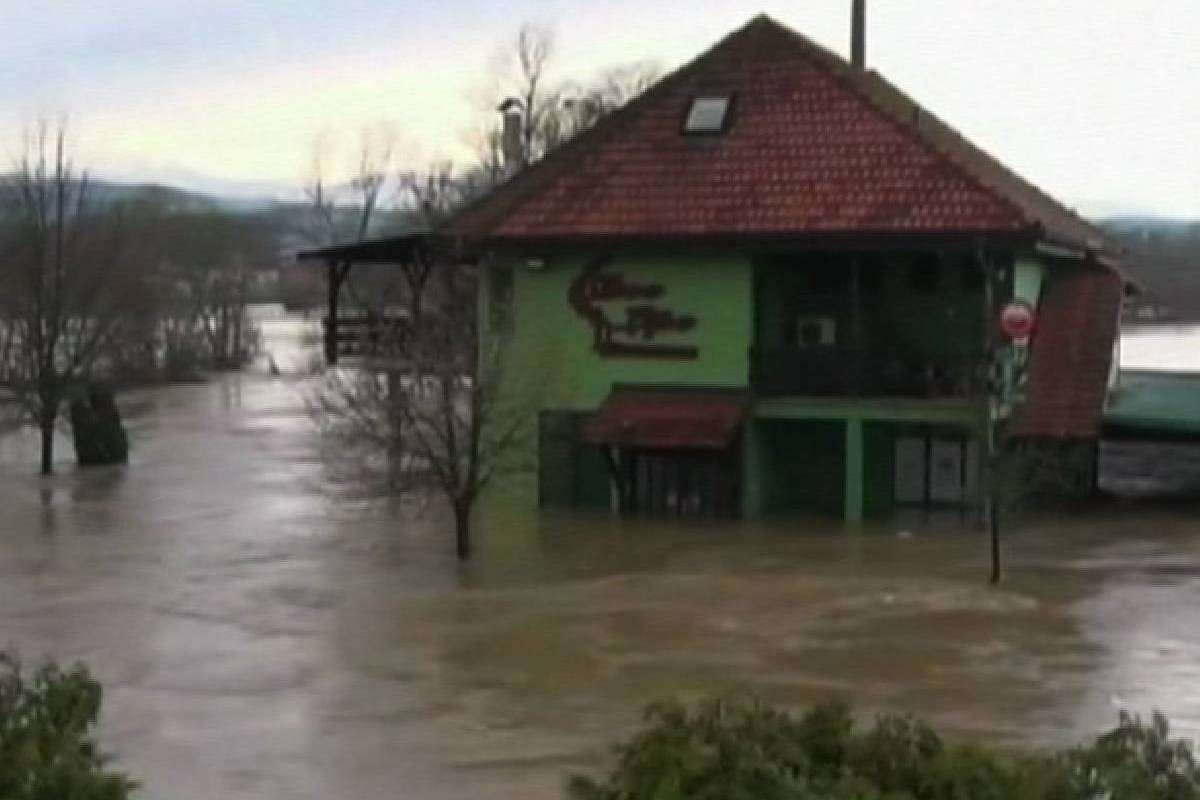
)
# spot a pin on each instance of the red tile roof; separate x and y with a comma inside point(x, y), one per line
point(1072, 355)
point(668, 419)
point(815, 146)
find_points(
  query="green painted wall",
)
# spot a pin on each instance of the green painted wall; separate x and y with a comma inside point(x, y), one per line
point(1028, 275)
point(556, 459)
point(550, 348)
point(570, 473)
point(755, 469)
point(803, 466)
point(550, 363)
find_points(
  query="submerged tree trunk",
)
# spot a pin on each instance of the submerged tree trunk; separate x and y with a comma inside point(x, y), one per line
point(46, 422)
point(235, 356)
point(462, 529)
point(994, 535)
point(100, 437)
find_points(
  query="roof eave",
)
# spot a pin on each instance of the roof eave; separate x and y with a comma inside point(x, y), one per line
point(386, 249)
point(759, 240)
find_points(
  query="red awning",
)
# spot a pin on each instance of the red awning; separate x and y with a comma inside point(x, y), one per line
point(668, 419)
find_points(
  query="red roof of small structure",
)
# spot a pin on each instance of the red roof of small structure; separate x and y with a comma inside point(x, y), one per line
point(668, 419)
point(814, 146)
point(1072, 355)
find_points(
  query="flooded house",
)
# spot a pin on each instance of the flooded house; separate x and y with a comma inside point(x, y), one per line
point(774, 282)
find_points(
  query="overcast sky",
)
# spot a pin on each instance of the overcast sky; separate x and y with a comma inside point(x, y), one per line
point(1098, 101)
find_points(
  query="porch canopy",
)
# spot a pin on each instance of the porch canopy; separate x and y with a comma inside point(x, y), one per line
point(415, 252)
point(401, 249)
point(668, 418)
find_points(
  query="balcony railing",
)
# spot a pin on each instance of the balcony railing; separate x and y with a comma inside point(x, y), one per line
point(363, 335)
point(851, 372)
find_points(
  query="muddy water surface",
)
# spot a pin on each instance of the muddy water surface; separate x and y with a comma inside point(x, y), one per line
point(261, 636)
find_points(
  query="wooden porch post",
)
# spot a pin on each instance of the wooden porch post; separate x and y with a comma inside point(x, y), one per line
point(991, 508)
point(336, 273)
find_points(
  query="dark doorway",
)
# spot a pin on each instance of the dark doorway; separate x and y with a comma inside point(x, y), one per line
point(681, 483)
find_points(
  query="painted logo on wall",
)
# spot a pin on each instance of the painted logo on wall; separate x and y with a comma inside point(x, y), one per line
point(627, 317)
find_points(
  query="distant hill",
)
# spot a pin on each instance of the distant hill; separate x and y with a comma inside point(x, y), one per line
point(186, 200)
point(1163, 254)
point(1164, 257)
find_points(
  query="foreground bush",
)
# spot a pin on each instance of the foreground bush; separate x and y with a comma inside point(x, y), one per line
point(743, 750)
point(47, 749)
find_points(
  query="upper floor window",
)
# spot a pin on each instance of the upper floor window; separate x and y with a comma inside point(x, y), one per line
point(925, 274)
point(708, 114)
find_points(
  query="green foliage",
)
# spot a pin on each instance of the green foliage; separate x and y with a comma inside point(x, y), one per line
point(740, 749)
point(47, 749)
point(1135, 761)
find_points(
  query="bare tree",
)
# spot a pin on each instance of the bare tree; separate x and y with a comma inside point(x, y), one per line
point(582, 106)
point(346, 211)
point(534, 49)
point(429, 198)
point(552, 111)
point(211, 263)
point(63, 293)
point(430, 411)
point(201, 265)
point(432, 414)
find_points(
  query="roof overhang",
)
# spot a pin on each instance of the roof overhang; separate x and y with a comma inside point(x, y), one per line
point(659, 418)
point(390, 250)
point(760, 242)
point(1095, 254)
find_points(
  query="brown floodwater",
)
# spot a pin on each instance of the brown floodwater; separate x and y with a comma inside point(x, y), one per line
point(260, 635)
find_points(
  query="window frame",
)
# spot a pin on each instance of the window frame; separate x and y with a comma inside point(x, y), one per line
point(730, 99)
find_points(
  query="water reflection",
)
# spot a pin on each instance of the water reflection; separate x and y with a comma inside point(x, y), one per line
point(263, 637)
point(1161, 347)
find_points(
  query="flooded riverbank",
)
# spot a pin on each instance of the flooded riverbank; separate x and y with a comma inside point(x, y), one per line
point(261, 637)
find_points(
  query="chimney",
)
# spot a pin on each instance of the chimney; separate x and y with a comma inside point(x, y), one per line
point(510, 137)
point(858, 35)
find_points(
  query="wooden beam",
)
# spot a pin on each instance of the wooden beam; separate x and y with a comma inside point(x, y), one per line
point(335, 275)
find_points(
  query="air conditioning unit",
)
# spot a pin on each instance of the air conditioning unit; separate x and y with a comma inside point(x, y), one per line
point(815, 331)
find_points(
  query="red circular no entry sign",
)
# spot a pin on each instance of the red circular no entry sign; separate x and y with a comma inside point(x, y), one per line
point(1017, 320)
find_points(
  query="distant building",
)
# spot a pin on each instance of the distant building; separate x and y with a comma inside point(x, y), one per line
point(772, 282)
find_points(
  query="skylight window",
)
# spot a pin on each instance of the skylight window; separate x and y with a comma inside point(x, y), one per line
point(708, 114)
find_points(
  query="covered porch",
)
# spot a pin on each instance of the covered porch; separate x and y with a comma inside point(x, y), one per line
point(883, 321)
point(359, 327)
